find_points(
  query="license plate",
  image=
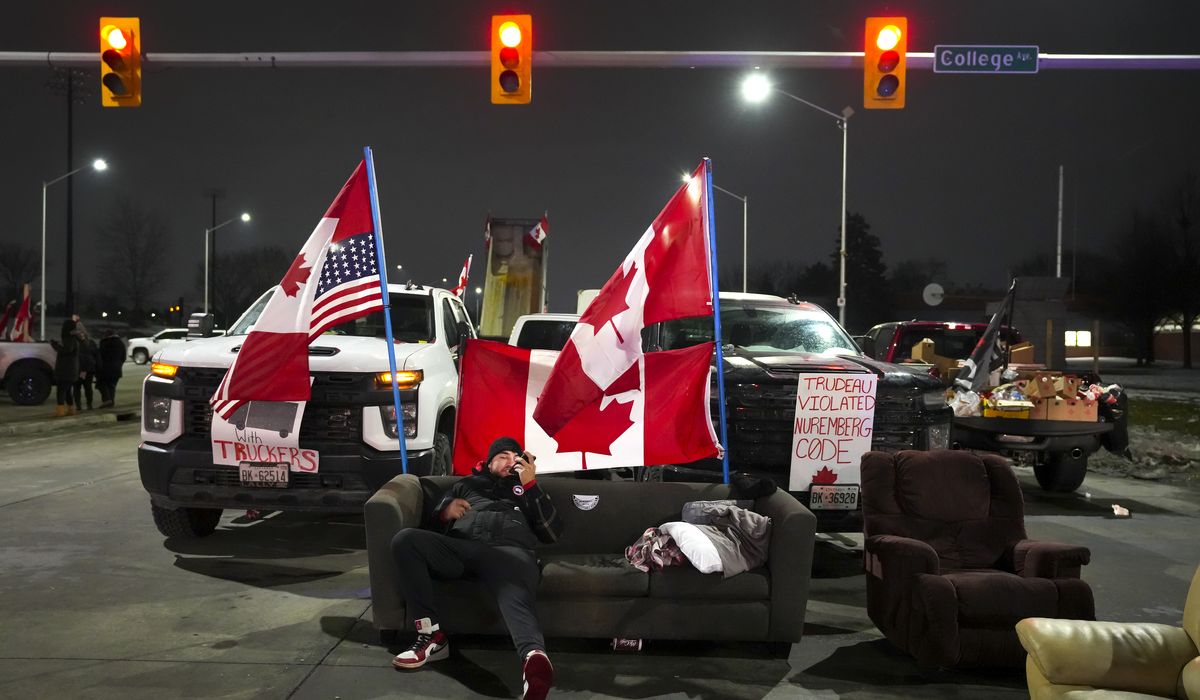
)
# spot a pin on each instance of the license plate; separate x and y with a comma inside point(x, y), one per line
point(265, 474)
point(833, 497)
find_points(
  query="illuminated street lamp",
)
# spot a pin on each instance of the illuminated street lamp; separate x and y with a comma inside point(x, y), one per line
point(745, 200)
point(757, 88)
point(245, 217)
point(99, 165)
point(478, 302)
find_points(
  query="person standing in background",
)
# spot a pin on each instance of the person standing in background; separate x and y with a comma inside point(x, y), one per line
point(108, 368)
point(66, 367)
point(88, 356)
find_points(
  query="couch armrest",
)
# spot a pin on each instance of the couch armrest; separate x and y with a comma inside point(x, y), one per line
point(789, 559)
point(895, 557)
point(395, 506)
point(1037, 559)
point(1136, 657)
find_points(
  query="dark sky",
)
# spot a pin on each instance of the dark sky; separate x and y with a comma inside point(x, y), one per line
point(966, 173)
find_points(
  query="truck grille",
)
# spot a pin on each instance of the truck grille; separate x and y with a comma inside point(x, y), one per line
point(228, 476)
point(760, 422)
point(323, 423)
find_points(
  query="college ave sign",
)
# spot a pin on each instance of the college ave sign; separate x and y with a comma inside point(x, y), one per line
point(950, 58)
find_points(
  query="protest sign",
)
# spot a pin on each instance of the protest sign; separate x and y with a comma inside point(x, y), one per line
point(835, 417)
point(265, 432)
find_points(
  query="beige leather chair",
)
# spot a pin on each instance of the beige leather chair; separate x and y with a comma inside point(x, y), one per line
point(1074, 660)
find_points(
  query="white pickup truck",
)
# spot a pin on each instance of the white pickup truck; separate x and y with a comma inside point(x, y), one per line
point(27, 371)
point(350, 419)
point(543, 331)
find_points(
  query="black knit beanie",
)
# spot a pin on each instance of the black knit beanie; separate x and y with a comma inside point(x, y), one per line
point(502, 444)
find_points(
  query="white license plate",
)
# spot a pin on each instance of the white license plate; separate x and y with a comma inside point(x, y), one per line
point(265, 474)
point(833, 497)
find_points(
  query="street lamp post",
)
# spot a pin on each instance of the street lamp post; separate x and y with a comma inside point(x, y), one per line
point(478, 302)
point(745, 220)
point(207, 234)
point(757, 88)
point(99, 165)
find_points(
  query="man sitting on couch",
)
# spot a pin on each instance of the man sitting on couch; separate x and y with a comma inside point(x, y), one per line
point(488, 525)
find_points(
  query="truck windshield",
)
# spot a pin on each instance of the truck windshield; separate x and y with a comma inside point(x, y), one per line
point(762, 328)
point(412, 320)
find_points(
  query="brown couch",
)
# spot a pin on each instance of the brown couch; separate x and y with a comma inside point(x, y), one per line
point(588, 589)
point(1104, 660)
point(949, 568)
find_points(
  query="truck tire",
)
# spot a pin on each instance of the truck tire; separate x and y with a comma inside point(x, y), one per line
point(186, 522)
point(28, 385)
point(140, 356)
point(442, 465)
point(1062, 473)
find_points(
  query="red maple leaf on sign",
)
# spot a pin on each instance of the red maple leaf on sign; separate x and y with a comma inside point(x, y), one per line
point(296, 275)
point(610, 302)
point(825, 476)
point(594, 430)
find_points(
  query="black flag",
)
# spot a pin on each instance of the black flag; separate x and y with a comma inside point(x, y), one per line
point(987, 355)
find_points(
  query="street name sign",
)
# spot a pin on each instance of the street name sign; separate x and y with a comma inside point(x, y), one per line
point(955, 58)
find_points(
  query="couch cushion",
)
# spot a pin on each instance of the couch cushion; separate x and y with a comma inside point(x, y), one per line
point(591, 575)
point(686, 583)
point(993, 598)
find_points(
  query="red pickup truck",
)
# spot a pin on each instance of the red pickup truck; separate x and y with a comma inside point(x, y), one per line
point(894, 341)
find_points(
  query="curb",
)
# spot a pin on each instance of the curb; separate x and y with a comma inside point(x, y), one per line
point(52, 424)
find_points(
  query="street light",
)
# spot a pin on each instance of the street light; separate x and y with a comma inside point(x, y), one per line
point(245, 217)
point(745, 219)
point(478, 301)
point(757, 88)
point(99, 166)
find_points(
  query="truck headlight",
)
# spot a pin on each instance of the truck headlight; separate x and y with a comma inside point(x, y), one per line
point(157, 414)
point(388, 413)
point(405, 379)
point(937, 437)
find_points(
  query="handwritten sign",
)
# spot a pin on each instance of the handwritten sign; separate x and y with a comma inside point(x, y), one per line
point(835, 419)
point(263, 431)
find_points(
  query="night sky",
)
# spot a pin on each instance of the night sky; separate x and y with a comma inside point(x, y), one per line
point(966, 173)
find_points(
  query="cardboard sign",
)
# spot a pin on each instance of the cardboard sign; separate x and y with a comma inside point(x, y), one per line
point(263, 431)
point(835, 419)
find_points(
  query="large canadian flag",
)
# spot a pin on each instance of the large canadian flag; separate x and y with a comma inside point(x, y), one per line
point(657, 414)
point(334, 279)
point(666, 276)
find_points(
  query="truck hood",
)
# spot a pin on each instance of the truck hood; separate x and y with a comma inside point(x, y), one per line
point(329, 353)
point(776, 362)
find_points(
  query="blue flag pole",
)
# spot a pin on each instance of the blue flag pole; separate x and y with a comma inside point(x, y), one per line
point(387, 305)
point(716, 296)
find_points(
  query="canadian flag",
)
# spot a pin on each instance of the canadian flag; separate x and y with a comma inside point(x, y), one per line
point(538, 233)
point(461, 288)
point(666, 276)
point(20, 331)
point(272, 364)
point(658, 414)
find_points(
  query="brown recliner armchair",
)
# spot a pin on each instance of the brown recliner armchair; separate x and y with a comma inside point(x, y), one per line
point(949, 568)
point(1082, 660)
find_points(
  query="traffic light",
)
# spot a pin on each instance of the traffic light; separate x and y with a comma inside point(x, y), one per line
point(120, 62)
point(885, 43)
point(512, 59)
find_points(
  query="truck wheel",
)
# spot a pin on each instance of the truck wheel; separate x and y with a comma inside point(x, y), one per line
point(442, 465)
point(140, 356)
point(186, 522)
point(1062, 473)
point(28, 385)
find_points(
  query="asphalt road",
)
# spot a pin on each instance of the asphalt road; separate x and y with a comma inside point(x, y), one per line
point(94, 602)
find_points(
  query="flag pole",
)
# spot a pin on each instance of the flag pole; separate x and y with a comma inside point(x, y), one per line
point(716, 300)
point(377, 224)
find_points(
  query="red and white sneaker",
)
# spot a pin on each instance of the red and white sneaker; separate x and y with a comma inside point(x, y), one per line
point(431, 645)
point(538, 676)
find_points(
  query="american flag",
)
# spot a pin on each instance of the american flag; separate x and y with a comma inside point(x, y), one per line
point(349, 284)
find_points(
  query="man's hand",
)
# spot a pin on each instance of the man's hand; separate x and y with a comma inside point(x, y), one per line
point(527, 468)
point(456, 509)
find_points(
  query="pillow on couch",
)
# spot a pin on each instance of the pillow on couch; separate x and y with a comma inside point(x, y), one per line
point(695, 545)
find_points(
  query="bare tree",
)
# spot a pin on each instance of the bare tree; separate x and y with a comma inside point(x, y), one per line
point(18, 264)
point(241, 277)
point(1139, 294)
point(1185, 261)
point(136, 262)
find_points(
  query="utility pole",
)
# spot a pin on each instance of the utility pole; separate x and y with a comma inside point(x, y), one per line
point(69, 83)
point(1058, 249)
point(214, 194)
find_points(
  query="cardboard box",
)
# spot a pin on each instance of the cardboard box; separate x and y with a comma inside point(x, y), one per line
point(1040, 410)
point(1040, 386)
point(1021, 353)
point(923, 351)
point(1006, 408)
point(1071, 409)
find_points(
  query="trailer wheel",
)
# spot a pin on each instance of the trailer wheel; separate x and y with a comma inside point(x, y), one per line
point(1063, 473)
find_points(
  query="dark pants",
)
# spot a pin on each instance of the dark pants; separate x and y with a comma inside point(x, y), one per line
point(64, 393)
point(84, 383)
point(108, 387)
point(510, 573)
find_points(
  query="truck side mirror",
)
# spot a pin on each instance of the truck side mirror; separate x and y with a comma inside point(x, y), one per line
point(465, 331)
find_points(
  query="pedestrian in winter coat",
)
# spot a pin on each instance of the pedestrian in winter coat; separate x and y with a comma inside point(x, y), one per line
point(108, 369)
point(485, 527)
point(66, 366)
point(88, 358)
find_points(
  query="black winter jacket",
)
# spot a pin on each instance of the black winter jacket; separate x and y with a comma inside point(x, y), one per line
point(503, 512)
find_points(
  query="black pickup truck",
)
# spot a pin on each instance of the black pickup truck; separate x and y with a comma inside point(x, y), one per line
point(768, 343)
